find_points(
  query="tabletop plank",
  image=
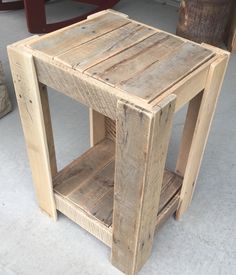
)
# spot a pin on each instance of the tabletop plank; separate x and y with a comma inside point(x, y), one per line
point(135, 60)
point(164, 74)
point(151, 66)
point(103, 47)
point(63, 40)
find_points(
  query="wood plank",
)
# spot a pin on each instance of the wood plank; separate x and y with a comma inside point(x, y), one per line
point(200, 115)
point(188, 87)
point(170, 187)
point(167, 211)
point(103, 47)
point(61, 41)
point(96, 195)
point(84, 219)
point(84, 168)
point(97, 127)
point(48, 128)
point(162, 75)
point(138, 180)
point(88, 91)
point(33, 118)
point(134, 60)
point(110, 129)
point(90, 186)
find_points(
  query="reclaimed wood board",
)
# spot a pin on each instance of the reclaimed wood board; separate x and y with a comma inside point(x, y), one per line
point(132, 58)
point(88, 183)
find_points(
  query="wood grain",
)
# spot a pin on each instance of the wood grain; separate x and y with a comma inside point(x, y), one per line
point(198, 122)
point(97, 127)
point(133, 61)
point(63, 40)
point(142, 141)
point(103, 47)
point(36, 132)
point(88, 183)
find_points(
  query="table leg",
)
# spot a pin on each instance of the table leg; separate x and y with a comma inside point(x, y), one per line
point(141, 149)
point(198, 121)
point(97, 127)
point(35, 118)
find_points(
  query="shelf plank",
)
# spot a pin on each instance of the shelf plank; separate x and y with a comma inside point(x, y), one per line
point(84, 191)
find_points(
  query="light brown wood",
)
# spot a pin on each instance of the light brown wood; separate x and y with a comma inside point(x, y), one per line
point(48, 128)
point(188, 132)
point(142, 142)
point(63, 40)
point(86, 187)
point(198, 122)
point(82, 218)
point(97, 127)
point(88, 91)
point(110, 126)
point(83, 168)
point(151, 66)
point(168, 211)
point(188, 87)
point(133, 77)
point(104, 46)
point(33, 119)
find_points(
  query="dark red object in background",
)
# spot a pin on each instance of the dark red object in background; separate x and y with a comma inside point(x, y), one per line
point(36, 14)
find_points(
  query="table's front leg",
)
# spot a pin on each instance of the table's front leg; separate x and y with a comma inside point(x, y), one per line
point(197, 125)
point(35, 117)
point(141, 149)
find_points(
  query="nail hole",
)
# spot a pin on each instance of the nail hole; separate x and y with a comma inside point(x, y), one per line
point(107, 79)
point(94, 73)
point(20, 96)
point(30, 101)
point(93, 32)
point(83, 28)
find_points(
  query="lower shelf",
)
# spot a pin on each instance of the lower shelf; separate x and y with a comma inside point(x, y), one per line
point(84, 191)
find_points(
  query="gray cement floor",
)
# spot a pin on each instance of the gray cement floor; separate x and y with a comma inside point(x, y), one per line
point(203, 242)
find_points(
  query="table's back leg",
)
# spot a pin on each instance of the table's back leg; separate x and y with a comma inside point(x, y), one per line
point(34, 111)
point(198, 121)
point(97, 127)
point(141, 149)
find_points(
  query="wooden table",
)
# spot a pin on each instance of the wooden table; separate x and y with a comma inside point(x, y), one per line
point(134, 78)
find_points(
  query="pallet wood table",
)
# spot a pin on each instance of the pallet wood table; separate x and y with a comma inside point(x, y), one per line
point(5, 103)
point(134, 78)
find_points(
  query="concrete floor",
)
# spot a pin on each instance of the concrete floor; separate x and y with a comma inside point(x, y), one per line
point(203, 242)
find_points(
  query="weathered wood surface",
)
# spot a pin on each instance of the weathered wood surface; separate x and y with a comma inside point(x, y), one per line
point(104, 46)
point(5, 103)
point(88, 182)
point(137, 61)
point(141, 148)
point(128, 73)
point(38, 136)
point(196, 130)
point(61, 41)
